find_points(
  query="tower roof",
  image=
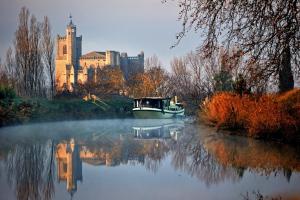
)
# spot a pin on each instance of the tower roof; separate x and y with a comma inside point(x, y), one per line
point(93, 55)
point(71, 22)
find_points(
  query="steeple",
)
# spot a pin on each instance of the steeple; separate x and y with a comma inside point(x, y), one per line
point(71, 22)
point(71, 42)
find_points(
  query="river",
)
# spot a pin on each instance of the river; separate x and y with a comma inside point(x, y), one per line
point(142, 159)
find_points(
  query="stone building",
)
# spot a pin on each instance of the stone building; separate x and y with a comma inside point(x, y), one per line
point(72, 67)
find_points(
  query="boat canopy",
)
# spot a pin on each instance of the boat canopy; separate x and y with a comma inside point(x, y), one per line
point(154, 98)
point(152, 102)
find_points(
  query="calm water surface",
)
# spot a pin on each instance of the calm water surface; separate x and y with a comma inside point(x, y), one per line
point(141, 159)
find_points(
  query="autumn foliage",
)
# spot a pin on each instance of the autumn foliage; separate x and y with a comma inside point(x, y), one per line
point(274, 116)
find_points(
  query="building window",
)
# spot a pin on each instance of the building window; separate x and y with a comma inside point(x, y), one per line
point(65, 49)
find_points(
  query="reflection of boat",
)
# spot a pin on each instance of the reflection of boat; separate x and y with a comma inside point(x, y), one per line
point(157, 107)
point(163, 131)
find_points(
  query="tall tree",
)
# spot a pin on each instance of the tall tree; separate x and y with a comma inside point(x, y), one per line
point(28, 55)
point(48, 55)
point(10, 69)
point(267, 32)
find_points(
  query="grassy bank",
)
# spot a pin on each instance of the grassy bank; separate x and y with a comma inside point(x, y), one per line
point(275, 116)
point(16, 110)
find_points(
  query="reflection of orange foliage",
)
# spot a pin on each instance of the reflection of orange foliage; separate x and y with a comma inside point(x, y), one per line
point(268, 114)
point(254, 155)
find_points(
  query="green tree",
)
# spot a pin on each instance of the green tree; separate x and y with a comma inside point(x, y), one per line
point(223, 81)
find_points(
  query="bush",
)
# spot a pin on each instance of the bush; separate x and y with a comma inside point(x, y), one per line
point(6, 92)
point(227, 110)
point(264, 116)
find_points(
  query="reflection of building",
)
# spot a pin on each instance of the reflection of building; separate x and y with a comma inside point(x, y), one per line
point(69, 165)
point(98, 158)
point(70, 156)
point(72, 67)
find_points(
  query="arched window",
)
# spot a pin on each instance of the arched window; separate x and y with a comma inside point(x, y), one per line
point(65, 49)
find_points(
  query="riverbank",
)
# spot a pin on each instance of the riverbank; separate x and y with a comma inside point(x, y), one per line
point(16, 110)
point(272, 116)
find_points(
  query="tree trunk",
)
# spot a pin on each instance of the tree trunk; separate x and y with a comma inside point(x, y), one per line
point(286, 79)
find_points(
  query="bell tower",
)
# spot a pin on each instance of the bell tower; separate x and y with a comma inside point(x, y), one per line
point(71, 42)
point(67, 57)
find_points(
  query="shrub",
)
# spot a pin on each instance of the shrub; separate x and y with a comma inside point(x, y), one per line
point(6, 92)
point(227, 110)
point(261, 116)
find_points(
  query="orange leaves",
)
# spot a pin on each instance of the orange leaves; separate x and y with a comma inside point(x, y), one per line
point(228, 110)
point(265, 116)
point(148, 83)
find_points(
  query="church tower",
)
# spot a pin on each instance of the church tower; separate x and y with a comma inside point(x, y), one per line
point(71, 42)
point(68, 52)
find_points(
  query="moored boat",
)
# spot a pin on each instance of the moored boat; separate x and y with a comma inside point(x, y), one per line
point(157, 108)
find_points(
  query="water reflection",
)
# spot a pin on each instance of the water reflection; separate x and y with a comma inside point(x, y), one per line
point(190, 156)
point(30, 170)
point(257, 156)
point(33, 160)
point(69, 164)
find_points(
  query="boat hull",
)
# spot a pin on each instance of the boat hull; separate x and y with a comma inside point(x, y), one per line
point(154, 113)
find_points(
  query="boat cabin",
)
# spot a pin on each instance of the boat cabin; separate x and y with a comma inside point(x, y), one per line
point(152, 102)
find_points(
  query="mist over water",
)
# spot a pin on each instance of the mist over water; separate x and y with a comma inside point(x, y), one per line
point(140, 159)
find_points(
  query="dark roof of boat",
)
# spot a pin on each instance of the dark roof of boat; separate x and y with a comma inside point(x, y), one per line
point(154, 98)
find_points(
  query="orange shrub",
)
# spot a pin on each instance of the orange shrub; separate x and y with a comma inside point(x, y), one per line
point(264, 116)
point(290, 102)
point(228, 110)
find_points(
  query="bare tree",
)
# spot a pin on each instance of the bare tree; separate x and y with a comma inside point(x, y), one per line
point(267, 32)
point(9, 69)
point(181, 76)
point(28, 55)
point(189, 79)
point(48, 56)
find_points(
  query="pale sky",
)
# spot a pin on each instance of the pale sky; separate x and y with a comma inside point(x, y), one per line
point(121, 25)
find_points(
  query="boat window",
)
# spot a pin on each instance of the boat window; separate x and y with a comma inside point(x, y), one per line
point(151, 103)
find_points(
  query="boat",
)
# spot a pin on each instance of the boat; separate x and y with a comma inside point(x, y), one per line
point(157, 108)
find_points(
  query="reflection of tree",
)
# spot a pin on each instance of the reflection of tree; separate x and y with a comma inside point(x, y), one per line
point(49, 173)
point(190, 156)
point(155, 152)
point(113, 152)
point(30, 170)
